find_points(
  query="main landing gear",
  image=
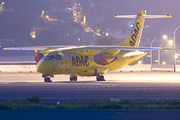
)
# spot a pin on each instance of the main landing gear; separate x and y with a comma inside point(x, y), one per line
point(46, 78)
point(73, 78)
point(100, 78)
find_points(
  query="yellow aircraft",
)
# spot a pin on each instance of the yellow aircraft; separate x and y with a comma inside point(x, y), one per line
point(92, 60)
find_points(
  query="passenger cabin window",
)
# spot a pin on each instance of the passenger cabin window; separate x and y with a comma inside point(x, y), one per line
point(50, 57)
point(58, 57)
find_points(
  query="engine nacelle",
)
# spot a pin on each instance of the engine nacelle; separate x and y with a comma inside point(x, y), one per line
point(38, 56)
point(104, 59)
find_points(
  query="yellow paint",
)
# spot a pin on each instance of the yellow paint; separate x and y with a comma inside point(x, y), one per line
point(35, 51)
point(80, 60)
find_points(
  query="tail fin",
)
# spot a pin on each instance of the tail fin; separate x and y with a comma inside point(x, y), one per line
point(134, 37)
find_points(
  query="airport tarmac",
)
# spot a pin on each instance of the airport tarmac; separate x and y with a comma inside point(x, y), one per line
point(118, 86)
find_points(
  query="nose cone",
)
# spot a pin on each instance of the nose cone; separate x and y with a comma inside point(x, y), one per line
point(43, 67)
point(40, 69)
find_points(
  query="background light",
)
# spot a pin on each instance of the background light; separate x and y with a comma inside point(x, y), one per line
point(164, 36)
point(170, 41)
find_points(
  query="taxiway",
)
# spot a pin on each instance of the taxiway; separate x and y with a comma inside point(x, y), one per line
point(118, 86)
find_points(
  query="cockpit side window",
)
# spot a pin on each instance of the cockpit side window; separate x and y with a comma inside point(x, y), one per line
point(43, 58)
point(50, 57)
point(58, 57)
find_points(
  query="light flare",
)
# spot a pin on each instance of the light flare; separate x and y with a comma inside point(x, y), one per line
point(33, 34)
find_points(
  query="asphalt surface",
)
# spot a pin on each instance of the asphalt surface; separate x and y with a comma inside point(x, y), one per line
point(90, 115)
point(118, 86)
point(136, 86)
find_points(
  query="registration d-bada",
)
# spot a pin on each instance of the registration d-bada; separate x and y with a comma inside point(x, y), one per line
point(92, 60)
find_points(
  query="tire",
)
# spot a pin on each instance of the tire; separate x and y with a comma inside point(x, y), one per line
point(47, 80)
point(75, 78)
point(102, 78)
point(98, 78)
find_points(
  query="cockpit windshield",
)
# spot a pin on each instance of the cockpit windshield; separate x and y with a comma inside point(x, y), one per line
point(43, 58)
point(50, 57)
point(58, 57)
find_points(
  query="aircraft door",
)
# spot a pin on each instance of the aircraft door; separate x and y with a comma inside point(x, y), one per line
point(59, 64)
point(68, 61)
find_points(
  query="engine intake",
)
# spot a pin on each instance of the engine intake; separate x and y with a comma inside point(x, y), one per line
point(104, 59)
point(38, 56)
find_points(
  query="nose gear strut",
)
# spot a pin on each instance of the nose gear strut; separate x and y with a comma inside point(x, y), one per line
point(46, 78)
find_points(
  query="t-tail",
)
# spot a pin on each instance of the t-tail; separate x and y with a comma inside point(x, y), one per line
point(134, 37)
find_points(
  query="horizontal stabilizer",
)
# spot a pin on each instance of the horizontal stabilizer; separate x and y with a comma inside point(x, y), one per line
point(145, 16)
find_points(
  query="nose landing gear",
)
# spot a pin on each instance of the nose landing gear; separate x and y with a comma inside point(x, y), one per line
point(46, 78)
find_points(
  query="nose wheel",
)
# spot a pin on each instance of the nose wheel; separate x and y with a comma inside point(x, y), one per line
point(100, 78)
point(73, 78)
point(46, 78)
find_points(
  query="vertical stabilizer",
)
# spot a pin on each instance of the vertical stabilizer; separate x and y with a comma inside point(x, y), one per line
point(134, 37)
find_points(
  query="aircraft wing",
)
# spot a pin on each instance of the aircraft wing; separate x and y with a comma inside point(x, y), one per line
point(128, 48)
point(35, 47)
point(86, 47)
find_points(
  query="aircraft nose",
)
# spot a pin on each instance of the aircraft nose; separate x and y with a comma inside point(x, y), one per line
point(42, 68)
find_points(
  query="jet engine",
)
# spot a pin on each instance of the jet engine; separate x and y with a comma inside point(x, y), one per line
point(104, 59)
point(38, 56)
